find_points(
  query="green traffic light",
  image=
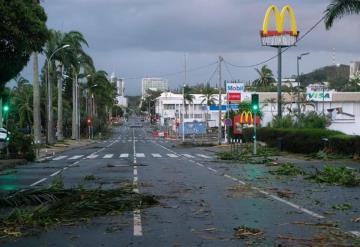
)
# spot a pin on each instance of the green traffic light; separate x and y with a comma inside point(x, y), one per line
point(255, 107)
point(6, 108)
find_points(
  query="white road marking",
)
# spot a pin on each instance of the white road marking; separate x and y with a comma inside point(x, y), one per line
point(135, 172)
point(76, 157)
point(172, 155)
point(356, 233)
point(203, 156)
point(55, 173)
point(38, 182)
point(296, 206)
point(124, 155)
point(199, 164)
point(140, 155)
point(108, 156)
point(137, 223)
point(60, 157)
point(188, 156)
point(156, 155)
point(92, 156)
point(268, 194)
point(213, 170)
point(65, 168)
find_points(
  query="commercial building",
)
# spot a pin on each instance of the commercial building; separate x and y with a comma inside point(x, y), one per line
point(155, 84)
point(342, 108)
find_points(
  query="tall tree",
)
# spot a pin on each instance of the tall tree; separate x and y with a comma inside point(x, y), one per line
point(339, 8)
point(209, 98)
point(22, 31)
point(187, 97)
point(266, 77)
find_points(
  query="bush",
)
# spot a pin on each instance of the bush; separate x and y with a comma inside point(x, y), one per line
point(21, 146)
point(313, 120)
point(304, 141)
point(284, 122)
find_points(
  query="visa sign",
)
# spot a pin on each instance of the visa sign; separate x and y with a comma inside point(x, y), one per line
point(319, 96)
point(235, 87)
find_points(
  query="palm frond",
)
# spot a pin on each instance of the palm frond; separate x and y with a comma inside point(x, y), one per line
point(338, 9)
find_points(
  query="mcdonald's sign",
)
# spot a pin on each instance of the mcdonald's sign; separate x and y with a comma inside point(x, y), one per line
point(280, 22)
point(246, 117)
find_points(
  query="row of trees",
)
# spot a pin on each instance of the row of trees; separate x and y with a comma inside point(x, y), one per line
point(67, 74)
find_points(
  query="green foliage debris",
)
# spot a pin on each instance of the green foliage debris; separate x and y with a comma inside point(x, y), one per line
point(288, 169)
point(37, 209)
point(337, 176)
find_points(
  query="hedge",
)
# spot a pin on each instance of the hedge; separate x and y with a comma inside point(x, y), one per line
point(307, 141)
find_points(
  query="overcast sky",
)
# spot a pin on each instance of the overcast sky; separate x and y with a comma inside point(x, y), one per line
point(142, 38)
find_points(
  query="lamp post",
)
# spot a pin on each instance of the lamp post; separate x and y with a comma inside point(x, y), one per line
point(49, 94)
point(183, 116)
point(298, 58)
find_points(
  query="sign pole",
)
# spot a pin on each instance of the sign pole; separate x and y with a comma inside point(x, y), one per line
point(255, 132)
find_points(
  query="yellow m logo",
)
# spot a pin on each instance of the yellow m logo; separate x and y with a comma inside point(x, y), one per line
point(280, 21)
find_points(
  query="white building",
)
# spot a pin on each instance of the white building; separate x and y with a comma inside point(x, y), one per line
point(170, 108)
point(120, 87)
point(342, 107)
point(122, 101)
point(354, 70)
point(154, 84)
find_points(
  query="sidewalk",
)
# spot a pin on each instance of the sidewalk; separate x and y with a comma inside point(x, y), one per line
point(45, 153)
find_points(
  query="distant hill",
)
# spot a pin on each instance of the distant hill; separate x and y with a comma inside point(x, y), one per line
point(336, 75)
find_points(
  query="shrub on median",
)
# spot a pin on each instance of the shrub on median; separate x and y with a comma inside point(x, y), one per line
point(307, 141)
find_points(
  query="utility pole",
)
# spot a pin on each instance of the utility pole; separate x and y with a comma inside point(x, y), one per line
point(279, 82)
point(220, 125)
point(73, 125)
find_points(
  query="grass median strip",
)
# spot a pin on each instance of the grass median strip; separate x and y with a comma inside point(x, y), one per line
point(42, 208)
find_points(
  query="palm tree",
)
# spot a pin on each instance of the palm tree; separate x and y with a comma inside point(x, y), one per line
point(208, 97)
point(266, 77)
point(23, 104)
point(70, 60)
point(339, 8)
point(187, 97)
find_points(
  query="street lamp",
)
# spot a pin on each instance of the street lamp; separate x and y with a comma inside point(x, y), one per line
point(49, 128)
point(183, 116)
point(298, 77)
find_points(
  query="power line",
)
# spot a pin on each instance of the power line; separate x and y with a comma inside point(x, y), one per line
point(283, 51)
point(175, 73)
point(229, 72)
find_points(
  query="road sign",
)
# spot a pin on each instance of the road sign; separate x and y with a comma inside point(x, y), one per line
point(234, 97)
point(228, 122)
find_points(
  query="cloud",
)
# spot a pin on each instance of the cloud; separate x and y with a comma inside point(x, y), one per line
point(150, 37)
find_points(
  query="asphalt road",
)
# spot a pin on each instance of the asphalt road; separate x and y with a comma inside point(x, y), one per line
point(201, 200)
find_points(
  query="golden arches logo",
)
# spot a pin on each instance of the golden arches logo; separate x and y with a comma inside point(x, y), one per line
point(280, 21)
point(246, 117)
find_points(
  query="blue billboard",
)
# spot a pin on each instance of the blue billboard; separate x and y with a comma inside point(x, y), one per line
point(224, 107)
point(190, 128)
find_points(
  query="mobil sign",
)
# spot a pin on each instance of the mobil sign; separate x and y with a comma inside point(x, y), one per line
point(235, 87)
point(233, 91)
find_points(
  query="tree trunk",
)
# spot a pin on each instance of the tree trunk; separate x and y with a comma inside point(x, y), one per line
point(50, 123)
point(60, 107)
point(73, 122)
point(36, 99)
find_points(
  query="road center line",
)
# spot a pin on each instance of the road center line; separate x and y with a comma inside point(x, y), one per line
point(137, 213)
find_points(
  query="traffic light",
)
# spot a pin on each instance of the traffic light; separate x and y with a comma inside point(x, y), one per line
point(255, 103)
point(6, 108)
point(88, 121)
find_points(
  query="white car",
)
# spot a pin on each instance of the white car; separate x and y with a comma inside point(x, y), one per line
point(3, 134)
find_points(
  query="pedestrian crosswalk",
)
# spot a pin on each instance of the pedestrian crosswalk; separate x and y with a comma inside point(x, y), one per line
point(131, 140)
point(130, 155)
